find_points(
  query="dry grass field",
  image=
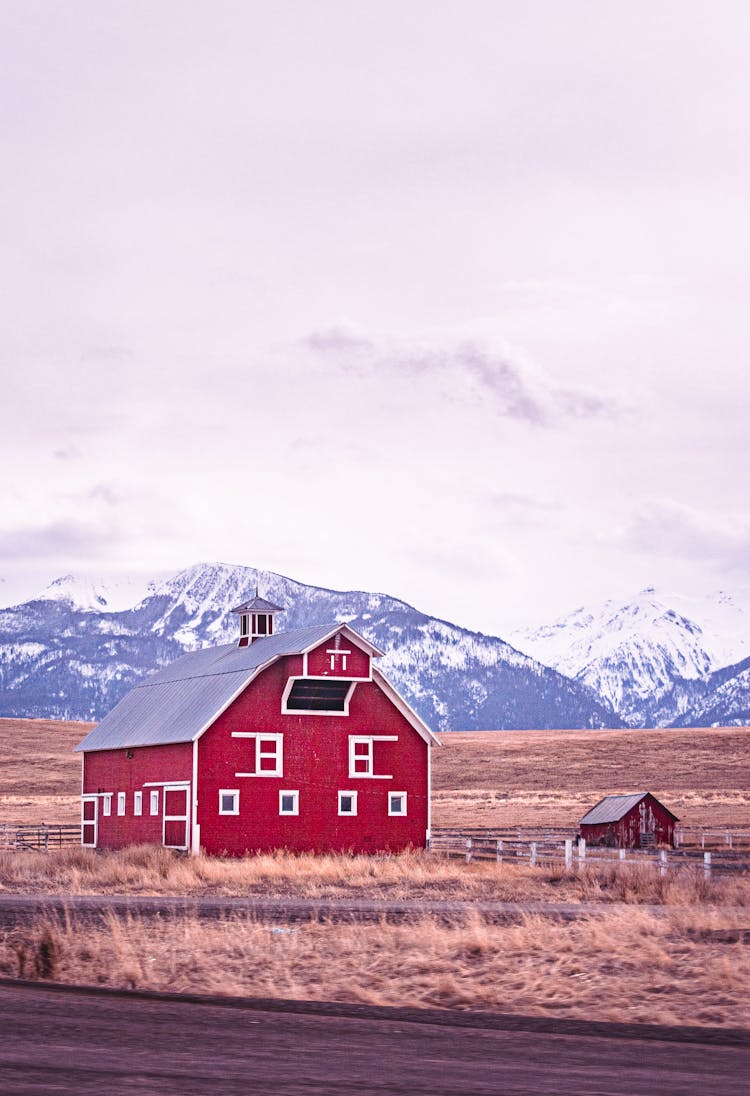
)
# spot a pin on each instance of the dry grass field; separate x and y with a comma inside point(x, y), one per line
point(627, 965)
point(551, 778)
point(40, 776)
point(488, 779)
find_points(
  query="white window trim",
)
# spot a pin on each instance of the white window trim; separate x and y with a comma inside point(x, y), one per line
point(92, 822)
point(181, 787)
point(278, 752)
point(333, 653)
point(137, 804)
point(368, 739)
point(235, 792)
point(153, 803)
point(121, 804)
point(348, 814)
point(315, 711)
point(398, 814)
point(106, 804)
point(295, 810)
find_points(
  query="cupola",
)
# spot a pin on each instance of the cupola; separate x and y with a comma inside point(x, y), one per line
point(256, 619)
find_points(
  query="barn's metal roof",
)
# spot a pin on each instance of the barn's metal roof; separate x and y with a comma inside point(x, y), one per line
point(176, 704)
point(612, 808)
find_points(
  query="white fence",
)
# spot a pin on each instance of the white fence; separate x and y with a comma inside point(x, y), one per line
point(550, 850)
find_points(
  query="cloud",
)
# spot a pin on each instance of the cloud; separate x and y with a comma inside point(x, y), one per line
point(56, 539)
point(516, 389)
point(337, 339)
point(668, 529)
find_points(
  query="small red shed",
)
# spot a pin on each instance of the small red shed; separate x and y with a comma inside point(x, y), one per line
point(288, 740)
point(633, 821)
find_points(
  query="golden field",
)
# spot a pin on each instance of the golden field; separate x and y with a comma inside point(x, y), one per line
point(550, 778)
point(480, 779)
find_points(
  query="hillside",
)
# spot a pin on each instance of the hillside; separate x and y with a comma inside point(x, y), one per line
point(538, 778)
point(479, 778)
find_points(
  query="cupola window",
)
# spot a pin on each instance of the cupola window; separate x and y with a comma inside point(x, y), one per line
point(256, 619)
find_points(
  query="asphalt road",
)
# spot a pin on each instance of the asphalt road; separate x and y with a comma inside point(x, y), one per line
point(54, 1040)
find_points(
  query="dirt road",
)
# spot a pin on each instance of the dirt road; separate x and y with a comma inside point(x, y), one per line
point(55, 1040)
point(15, 908)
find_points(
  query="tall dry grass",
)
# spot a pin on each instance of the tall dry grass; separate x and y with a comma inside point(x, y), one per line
point(623, 965)
point(153, 870)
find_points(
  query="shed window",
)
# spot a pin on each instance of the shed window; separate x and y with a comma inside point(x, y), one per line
point(121, 803)
point(323, 695)
point(137, 803)
point(229, 801)
point(347, 802)
point(154, 800)
point(107, 804)
point(289, 802)
point(396, 803)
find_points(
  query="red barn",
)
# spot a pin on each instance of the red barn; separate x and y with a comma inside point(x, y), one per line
point(290, 740)
point(629, 822)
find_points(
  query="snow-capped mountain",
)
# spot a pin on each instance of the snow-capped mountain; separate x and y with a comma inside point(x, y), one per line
point(62, 656)
point(654, 658)
point(113, 592)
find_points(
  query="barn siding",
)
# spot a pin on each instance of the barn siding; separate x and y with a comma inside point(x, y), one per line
point(112, 771)
point(316, 763)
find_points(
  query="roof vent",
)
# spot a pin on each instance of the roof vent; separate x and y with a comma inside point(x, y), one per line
point(256, 619)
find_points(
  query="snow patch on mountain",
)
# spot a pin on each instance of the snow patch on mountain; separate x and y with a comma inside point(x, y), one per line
point(98, 594)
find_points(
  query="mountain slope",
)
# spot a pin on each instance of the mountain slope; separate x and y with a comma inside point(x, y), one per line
point(60, 658)
point(652, 657)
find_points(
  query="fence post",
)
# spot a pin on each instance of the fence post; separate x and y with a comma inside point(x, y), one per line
point(582, 852)
point(703, 840)
point(623, 854)
point(729, 839)
point(663, 862)
point(707, 864)
point(532, 854)
point(499, 850)
point(468, 850)
point(568, 854)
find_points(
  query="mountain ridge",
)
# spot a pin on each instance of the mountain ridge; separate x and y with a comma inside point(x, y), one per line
point(57, 659)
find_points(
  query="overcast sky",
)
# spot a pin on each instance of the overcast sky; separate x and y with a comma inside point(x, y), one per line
point(443, 299)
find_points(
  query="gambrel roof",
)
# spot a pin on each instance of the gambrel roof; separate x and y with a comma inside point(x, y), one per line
point(614, 807)
point(180, 702)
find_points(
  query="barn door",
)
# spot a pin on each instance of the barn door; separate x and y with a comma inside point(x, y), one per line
point(176, 815)
point(89, 820)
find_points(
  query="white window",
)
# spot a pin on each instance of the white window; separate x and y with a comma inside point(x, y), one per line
point(361, 762)
point(288, 802)
point(154, 801)
point(269, 753)
point(360, 756)
point(137, 803)
point(107, 804)
point(121, 803)
point(396, 803)
point(347, 802)
point(229, 801)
